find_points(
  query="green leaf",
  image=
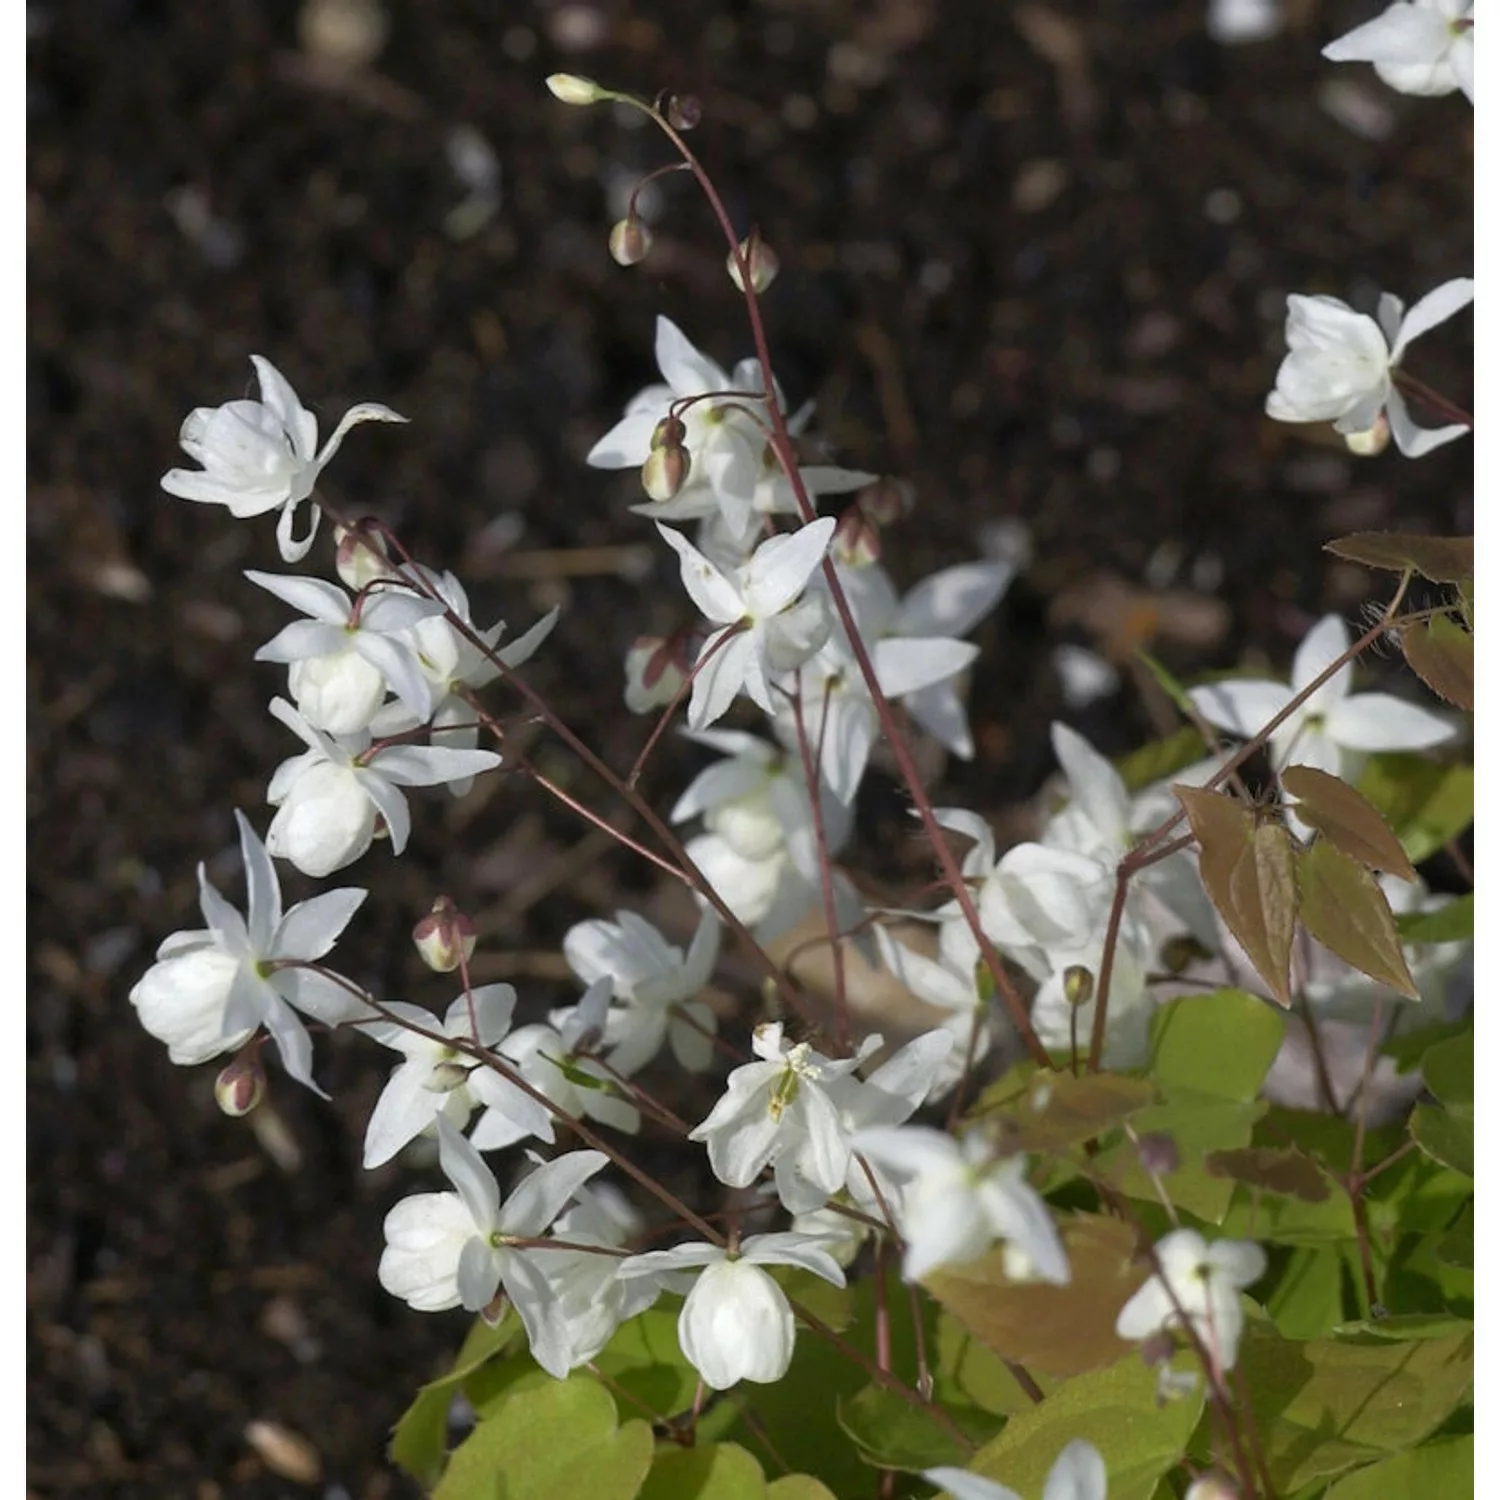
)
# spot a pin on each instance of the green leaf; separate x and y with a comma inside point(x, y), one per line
point(711, 1471)
point(1160, 759)
point(1443, 559)
point(1059, 1330)
point(1425, 803)
point(555, 1443)
point(1346, 820)
point(1441, 653)
point(1048, 1111)
point(1456, 1247)
point(799, 1487)
point(1308, 1301)
point(1221, 1044)
point(1442, 1468)
point(1246, 866)
point(1448, 1070)
point(966, 1373)
point(1117, 1411)
point(1445, 1137)
point(893, 1434)
point(1452, 922)
point(645, 1358)
point(1327, 1406)
point(419, 1442)
point(1342, 906)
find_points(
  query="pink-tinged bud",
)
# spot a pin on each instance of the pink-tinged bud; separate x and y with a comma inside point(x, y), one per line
point(360, 556)
point(1158, 1154)
point(887, 501)
point(1078, 984)
point(241, 1085)
point(668, 433)
point(762, 260)
point(445, 937)
point(684, 111)
point(654, 672)
point(629, 241)
point(856, 542)
point(573, 89)
point(1157, 1350)
point(665, 471)
point(1180, 953)
point(1372, 441)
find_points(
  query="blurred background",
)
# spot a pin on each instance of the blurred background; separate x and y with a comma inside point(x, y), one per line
point(1035, 261)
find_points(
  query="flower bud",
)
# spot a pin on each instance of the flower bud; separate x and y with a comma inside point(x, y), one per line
point(1078, 984)
point(1179, 953)
point(629, 241)
point(668, 433)
point(445, 937)
point(762, 260)
point(241, 1085)
point(572, 89)
point(1372, 441)
point(887, 501)
point(1158, 1154)
point(665, 471)
point(361, 556)
point(1213, 1486)
point(684, 111)
point(856, 540)
point(1157, 1350)
point(654, 671)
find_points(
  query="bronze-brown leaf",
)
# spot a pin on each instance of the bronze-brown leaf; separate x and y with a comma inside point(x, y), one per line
point(1347, 820)
point(1343, 907)
point(1443, 559)
point(1441, 652)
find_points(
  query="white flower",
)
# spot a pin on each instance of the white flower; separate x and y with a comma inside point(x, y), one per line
point(1333, 727)
point(767, 625)
point(548, 1061)
point(455, 1249)
point(736, 1323)
point(327, 798)
point(658, 985)
point(779, 1112)
point(1078, 1474)
point(1204, 1281)
point(342, 664)
point(434, 1077)
point(261, 455)
point(210, 991)
point(1422, 48)
point(1340, 364)
point(954, 983)
point(958, 1198)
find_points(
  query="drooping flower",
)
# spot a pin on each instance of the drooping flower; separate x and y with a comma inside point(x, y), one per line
point(258, 456)
point(736, 1323)
point(1078, 1474)
point(1341, 363)
point(767, 624)
point(958, 1197)
point(1204, 1282)
point(1422, 47)
point(456, 1249)
point(211, 990)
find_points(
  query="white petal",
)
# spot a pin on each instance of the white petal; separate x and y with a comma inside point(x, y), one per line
point(962, 1485)
point(1320, 648)
point(688, 372)
point(545, 1193)
point(366, 411)
point(314, 597)
point(952, 602)
point(464, 1167)
point(1413, 441)
point(721, 676)
point(1078, 1474)
point(1436, 307)
point(736, 1325)
point(782, 564)
point(713, 593)
point(1377, 721)
point(1240, 708)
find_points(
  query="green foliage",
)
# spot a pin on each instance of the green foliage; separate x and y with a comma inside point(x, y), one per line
point(1116, 1409)
point(710, 1471)
point(1425, 803)
point(556, 1442)
point(1444, 1468)
point(1041, 1111)
point(1160, 759)
point(1452, 922)
point(892, 1433)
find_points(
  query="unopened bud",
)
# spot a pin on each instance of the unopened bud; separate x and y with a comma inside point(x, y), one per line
point(887, 501)
point(665, 471)
point(1371, 441)
point(856, 541)
point(241, 1085)
point(629, 241)
point(1213, 1486)
point(445, 937)
point(668, 433)
point(1180, 953)
point(360, 556)
point(684, 111)
point(1158, 1155)
point(654, 671)
point(1078, 984)
point(762, 260)
point(572, 89)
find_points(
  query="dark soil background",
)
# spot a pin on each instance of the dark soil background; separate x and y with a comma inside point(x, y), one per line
point(1035, 260)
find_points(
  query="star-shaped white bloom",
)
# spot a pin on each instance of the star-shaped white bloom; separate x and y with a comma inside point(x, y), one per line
point(1334, 726)
point(456, 1249)
point(434, 1077)
point(210, 991)
point(736, 1323)
point(342, 664)
point(1078, 1474)
point(1204, 1281)
point(767, 624)
point(779, 1112)
point(656, 984)
point(1425, 47)
point(263, 455)
point(1340, 364)
point(955, 983)
point(328, 798)
point(958, 1198)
